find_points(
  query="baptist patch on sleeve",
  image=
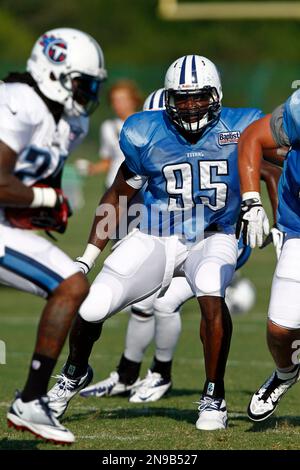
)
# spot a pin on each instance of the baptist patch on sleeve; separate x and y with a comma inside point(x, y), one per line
point(229, 137)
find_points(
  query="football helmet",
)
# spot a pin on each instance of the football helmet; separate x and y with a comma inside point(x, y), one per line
point(193, 93)
point(155, 101)
point(68, 67)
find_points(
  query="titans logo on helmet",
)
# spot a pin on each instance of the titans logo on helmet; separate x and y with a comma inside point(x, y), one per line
point(54, 49)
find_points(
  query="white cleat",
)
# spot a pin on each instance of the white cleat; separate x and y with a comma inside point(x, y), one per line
point(37, 417)
point(212, 414)
point(265, 400)
point(65, 389)
point(108, 387)
point(152, 388)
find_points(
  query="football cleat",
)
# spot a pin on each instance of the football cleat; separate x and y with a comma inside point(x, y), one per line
point(212, 414)
point(108, 387)
point(152, 388)
point(265, 400)
point(37, 417)
point(65, 389)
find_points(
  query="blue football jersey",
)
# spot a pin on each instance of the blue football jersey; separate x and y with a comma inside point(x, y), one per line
point(194, 186)
point(289, 184)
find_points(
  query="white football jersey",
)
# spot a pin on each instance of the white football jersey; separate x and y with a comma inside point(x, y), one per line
point(110, 148)
point(28, 127)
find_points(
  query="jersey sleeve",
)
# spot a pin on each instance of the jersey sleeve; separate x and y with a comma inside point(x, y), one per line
point(291, 118)
point(18, 121)
point(131, 152)
point(15, 133)
point(277, 128)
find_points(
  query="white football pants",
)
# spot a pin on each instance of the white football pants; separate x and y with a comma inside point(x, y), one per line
point(138, 268)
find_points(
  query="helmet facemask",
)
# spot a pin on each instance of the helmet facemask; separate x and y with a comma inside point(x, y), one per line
point(193, 110)
point(83, 93)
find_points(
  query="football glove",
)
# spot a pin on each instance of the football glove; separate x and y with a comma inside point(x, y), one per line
point(276, 237)
point(42, 218)
point(252, 223)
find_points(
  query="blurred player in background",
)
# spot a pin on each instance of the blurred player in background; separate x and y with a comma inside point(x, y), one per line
point(125, 99)
point(282, 127)
point(43, 116)
point(187, 155)
point(159, 318)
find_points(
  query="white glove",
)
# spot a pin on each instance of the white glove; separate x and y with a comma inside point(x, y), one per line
point(253, 222)
point(278, 238)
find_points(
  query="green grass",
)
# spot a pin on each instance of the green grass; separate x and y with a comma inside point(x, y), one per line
point(114, 423)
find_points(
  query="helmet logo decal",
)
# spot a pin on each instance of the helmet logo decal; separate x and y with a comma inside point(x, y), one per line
point(55, 49)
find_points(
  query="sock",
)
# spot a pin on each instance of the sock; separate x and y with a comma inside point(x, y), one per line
point(73, 370)
point(140, 333)
point(287, 372)
point(162, 367)
point(128, 370)
point(39, 374)
point(214, 389)
point(83, 335)
point(167, 332)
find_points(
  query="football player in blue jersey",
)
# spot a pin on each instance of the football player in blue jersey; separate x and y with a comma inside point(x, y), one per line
point(159, 318)
point(282, 127)
point(187, 156)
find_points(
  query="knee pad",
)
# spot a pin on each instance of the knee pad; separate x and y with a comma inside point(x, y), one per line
point(97, 305)
point(213, 277)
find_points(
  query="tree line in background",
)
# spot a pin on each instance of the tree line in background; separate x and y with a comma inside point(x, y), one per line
point(258, 60)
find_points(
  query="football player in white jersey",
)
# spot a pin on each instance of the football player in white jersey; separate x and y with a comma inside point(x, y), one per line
point(43, 116)
point(125, 99)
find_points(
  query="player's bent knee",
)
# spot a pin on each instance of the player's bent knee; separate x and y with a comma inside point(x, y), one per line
point(212, 278)
point(76, 287)
point(97, 305)
point(165, 306)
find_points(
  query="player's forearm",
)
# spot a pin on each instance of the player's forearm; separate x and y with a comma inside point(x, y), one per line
point(249, 163)
point(253, 141)
point(108, 214)
point(106, 219)
point(14, 193)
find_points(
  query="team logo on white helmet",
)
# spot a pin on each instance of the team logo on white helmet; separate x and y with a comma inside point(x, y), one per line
point(68, 67)
point(193, 93)
point(54, 48)
point(155, 101)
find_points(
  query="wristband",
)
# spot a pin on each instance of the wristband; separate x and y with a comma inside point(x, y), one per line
point(251, 195)
point(90, 255)
point(43, 197)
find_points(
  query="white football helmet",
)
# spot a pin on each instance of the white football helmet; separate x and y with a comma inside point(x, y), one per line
point(193, 93)
point(155, 101)
point(68, 67)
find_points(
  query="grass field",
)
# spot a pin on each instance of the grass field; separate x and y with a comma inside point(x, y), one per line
point(114, 423)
